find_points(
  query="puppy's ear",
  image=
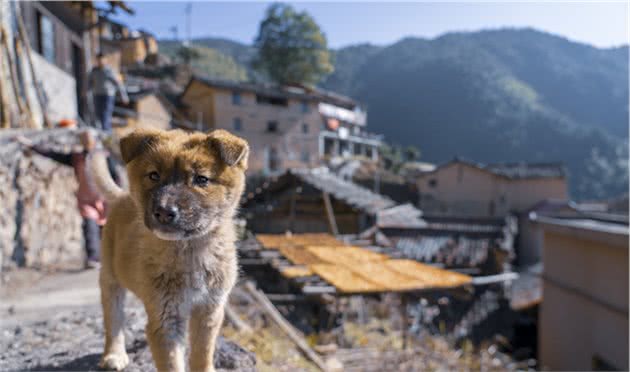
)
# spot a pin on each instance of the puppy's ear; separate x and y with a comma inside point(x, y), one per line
point(136, 143)
point(233, 150)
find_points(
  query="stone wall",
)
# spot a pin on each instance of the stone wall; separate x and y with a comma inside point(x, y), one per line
point(40, 225)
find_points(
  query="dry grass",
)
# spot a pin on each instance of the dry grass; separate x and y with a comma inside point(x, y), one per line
point(344, 279)
point(275, 241)
point(347, 256)
point(296, 271)
point(354, 269)
point(428, 276)
point(299, 255)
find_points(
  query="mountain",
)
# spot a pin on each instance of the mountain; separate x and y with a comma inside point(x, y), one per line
point(493, 96)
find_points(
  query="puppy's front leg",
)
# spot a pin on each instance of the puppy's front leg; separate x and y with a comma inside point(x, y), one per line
point(113, 301)
point(205, 324)
point(165, 333)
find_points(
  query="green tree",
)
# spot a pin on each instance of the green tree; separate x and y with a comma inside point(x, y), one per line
point(291, 47)
point(188, 54)
point(412, 153)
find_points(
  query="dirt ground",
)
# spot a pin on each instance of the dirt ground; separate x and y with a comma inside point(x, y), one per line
point(53, 322)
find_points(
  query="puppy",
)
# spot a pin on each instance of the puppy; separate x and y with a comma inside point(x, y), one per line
point(170, 241)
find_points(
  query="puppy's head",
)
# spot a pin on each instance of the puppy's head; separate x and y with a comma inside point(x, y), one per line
point(184, 184)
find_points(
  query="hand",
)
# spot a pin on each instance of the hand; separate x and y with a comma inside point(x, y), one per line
point(125, 100)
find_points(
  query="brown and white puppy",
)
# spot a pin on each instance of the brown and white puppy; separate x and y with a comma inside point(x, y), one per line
point(170, 241)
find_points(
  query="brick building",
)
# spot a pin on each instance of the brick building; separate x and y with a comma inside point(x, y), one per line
point(286, 126)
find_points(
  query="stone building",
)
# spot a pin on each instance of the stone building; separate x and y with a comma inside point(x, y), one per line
point(286, 126)
point(461, 187)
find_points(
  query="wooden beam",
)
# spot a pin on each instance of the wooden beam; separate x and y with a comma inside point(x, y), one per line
point(285, 326)
point(319, 289)
point(330, 213)
point(490, 279)
point(285, 297)
point(236, 321)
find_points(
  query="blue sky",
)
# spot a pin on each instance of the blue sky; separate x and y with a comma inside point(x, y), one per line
point(603, 24)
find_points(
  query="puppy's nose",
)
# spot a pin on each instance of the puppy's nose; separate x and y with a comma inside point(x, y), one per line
point(166, 215)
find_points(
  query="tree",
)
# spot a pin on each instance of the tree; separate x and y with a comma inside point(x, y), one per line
point(188, 54)
point(291, 47)
point(412, 153)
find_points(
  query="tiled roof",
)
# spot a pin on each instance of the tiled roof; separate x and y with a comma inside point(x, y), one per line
point(521, 170)
point(280, 91)
point(346, 191)
point(527, 170)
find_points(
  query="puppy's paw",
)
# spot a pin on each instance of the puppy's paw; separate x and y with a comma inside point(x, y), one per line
point(114, 361)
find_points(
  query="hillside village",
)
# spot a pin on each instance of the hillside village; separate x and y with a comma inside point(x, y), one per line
point(347, 263)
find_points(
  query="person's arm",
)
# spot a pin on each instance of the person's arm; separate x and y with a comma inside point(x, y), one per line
point(119, 86)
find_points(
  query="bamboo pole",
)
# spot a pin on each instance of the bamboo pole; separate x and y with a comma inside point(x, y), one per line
point(284, 325)
point(14, 82)
point(29, 57)
point(330, 213)
point(5, 120)
point(236, 321)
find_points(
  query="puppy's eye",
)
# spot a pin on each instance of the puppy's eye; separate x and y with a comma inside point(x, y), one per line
point(154, 176)
point(201, 180)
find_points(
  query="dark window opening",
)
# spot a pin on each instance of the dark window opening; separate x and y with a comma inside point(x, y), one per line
point(304, 128)
point(237, 124)
point(433, 182)
point(273, 161)
point(306, 157)
point(272, 126)
point(267, 100)
point(45, 37)
point(305, 107)
point(236, 98)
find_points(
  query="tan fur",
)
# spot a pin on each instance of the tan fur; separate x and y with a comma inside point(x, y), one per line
point(183, 282)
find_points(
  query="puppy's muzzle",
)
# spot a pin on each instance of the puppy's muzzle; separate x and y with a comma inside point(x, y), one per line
point(166, 215)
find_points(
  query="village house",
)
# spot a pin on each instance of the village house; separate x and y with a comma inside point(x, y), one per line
point(316, 200)
point(48, 49)
point(146, 109)
point(462, 187)
point(286, 127)
point(131, 48)
point(583, 319)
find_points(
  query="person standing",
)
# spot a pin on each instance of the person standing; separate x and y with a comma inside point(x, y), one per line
point(104, 84)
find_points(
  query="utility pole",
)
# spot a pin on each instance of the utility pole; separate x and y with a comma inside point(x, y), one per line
point(188, 11)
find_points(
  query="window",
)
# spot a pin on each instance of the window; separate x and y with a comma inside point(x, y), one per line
point(268, 100)
point(272, 126)
point(433, 182)
point(304, 107)
point(45, 37)
point(304, 128)
point(236, 98)
point(460, 174)
point(306, 156)
point(237, 125)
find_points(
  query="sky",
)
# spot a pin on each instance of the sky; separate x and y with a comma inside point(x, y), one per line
point(602, 24)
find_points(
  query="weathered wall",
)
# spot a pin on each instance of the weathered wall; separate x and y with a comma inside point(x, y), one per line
point(584, 314)
point(40, 225)
point(291, 143)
